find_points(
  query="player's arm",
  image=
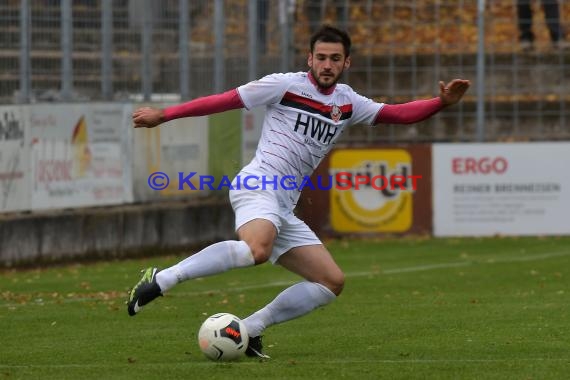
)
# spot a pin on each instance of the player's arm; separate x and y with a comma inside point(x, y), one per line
point(418, 110)
point(149, 117)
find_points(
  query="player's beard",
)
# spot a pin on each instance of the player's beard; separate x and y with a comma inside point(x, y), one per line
point(326, 85)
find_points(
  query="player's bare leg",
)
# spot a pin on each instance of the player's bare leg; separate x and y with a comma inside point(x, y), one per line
point(315, 264)
point(259, 234)
point(324, 281)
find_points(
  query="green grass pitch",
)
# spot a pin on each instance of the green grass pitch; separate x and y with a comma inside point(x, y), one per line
point(412, 308)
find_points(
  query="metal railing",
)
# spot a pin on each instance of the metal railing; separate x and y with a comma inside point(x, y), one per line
point(127, 50)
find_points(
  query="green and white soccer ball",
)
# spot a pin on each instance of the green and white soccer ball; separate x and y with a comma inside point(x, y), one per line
point(223, 337)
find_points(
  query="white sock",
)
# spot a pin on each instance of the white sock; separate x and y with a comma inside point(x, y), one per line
point(216, 258)
point(295, 301)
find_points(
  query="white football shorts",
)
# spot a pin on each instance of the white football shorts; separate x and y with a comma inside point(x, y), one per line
point(264, 204)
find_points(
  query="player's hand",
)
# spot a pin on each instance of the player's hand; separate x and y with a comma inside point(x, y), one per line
point(148, 117)
point(452, 92)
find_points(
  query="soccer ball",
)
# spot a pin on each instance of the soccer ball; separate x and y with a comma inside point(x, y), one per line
point(223, 337)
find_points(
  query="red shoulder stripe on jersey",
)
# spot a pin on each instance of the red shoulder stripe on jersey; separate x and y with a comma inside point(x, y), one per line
point(297, 101)
point(306, 101)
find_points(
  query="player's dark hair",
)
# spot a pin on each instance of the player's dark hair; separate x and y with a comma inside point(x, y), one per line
point(328, 33)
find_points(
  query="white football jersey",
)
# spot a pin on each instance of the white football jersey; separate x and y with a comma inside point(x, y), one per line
point(301, 124)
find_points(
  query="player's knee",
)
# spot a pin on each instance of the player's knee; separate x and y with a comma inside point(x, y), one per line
point(260, 251)
point(334, 282)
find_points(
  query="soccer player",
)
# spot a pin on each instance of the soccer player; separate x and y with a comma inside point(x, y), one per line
point(306, 113)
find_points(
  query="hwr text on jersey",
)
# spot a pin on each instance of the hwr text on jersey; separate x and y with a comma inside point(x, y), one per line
point(316, 128)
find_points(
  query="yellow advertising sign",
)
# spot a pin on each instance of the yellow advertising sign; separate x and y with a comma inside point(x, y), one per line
point(372, 190)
